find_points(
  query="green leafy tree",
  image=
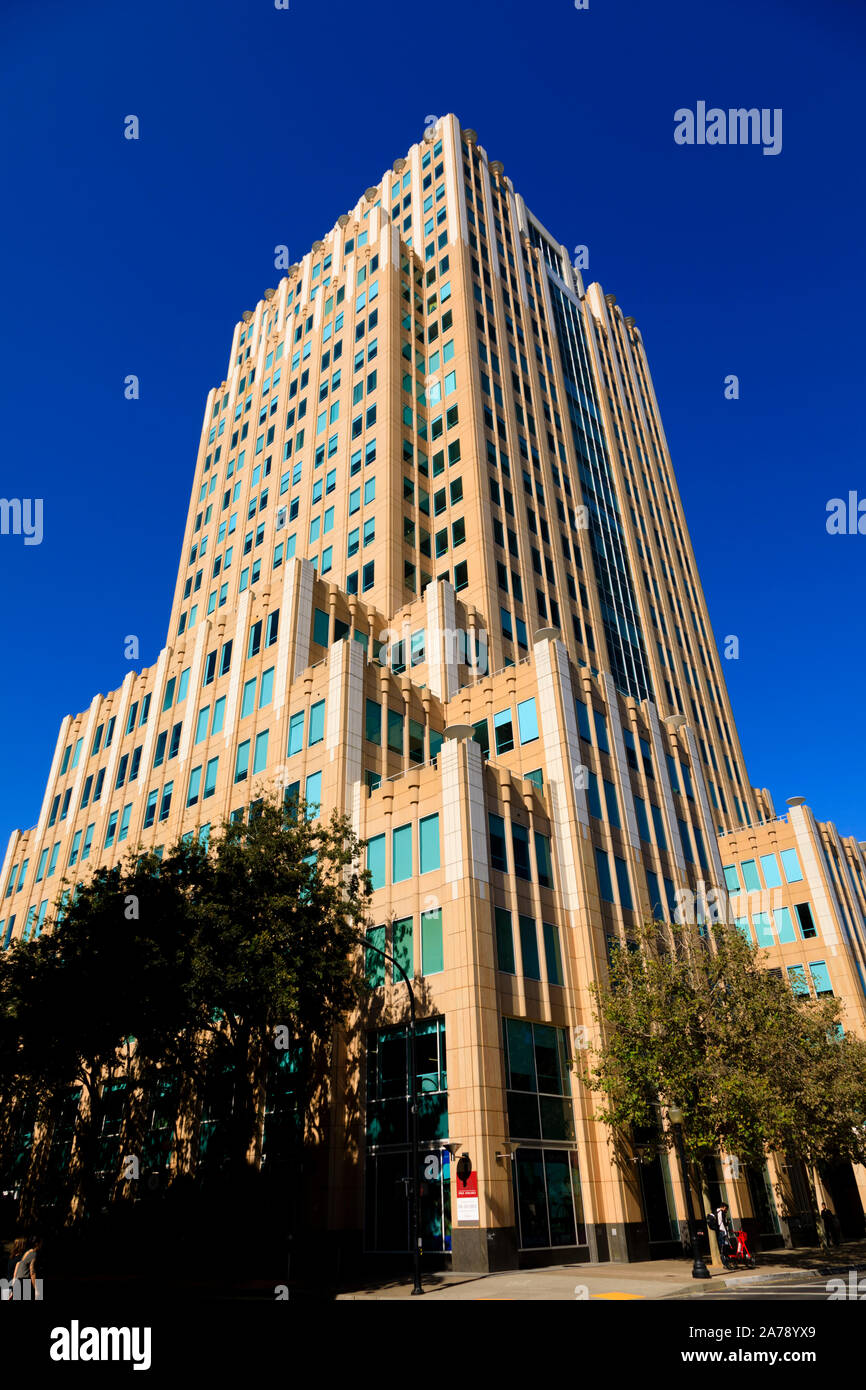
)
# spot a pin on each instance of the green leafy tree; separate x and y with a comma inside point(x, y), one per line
point(692, 1016)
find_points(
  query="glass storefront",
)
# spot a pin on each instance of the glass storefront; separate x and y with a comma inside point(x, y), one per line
point(388, 1154)
point(547, 1196)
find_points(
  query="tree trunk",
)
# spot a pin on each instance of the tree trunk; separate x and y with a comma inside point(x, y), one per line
point(33, 1187)
point(132, 1133)
point(81, 1158)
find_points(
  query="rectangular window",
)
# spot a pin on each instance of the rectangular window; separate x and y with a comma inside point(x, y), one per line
point(373, 722)
point(210, 778)
point(622, 881)
point(527, 721)
point(552, 955)
point(296, 734)
point(520, 849)
point(201, 724)
point(317, 723)
point(395, 731)
point(605, 883)
point(503, 731)
point(529, 948)
point(376, 860)
point(820, 978)
point(242, 761)
point(770, 868)
point(428, 843)
point(791, 865)
point(124, 822)
point(806, 920)
point(784, 925)
point(401, 856)
point(542, 860)
point(192, 794)
point(402, 949)
point(750, 876)
point(374, 961)
point(267, 690)
point(248, 699)
point(432, 955)
point(165, 807)
point(498, 853)
point(504, 941)
point(219, 710)
point(260, 756)
point(150, 809)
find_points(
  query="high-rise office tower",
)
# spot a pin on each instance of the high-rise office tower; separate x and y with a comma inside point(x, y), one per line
point(436, 573)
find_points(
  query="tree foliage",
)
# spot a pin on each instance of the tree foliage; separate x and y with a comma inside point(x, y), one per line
point(692, 1016)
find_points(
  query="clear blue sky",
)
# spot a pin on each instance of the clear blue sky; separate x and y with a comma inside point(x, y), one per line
point(260, 126)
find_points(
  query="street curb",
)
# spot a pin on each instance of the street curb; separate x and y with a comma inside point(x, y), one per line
point(792, 1277)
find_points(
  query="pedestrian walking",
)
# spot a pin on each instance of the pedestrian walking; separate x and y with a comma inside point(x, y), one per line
point(721, 1214)
point(827, 1222)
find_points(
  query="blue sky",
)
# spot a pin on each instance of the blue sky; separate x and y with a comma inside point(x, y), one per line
point(259, 126)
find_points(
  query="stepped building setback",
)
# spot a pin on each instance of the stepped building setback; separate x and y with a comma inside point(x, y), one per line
point(436, 573)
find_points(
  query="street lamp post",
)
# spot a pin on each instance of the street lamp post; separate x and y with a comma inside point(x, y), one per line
point(699, 1269)
point(413, 1109)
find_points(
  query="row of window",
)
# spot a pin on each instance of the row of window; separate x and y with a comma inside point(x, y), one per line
point(403, 862)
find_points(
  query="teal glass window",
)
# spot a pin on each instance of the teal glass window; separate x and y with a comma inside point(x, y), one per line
point(432, 953)
point(784, 925)
point(194, 785)
point(797, 980)
point(658, 826)
point(320, 627)
point(770, 869)
point(498, 852)
point(267, 691)
point(242, 761)
point(296, 734)
point(504, 941)
point(732, 878)
point(376, 860)
point(402, 949)
point(529, 948)
point(313, 794)
point(219, 710)
point(820, 977)
point(428, 843)
point(210, 778)
point(605, 883)
point(552, 955)
point(201, 724)
point(374, 965)
point(395, 730)
point(622, 881)
point(317, 722)
point(260, 754)
point(791, 865)
point(542, 860)
point(750, 876)
point(373, 721)
point(248, 699)
point(520, 849)
point(401, 854)
point(763, 929)
point(527, 721)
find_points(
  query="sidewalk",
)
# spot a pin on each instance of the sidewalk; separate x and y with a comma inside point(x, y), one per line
point(649, 1279)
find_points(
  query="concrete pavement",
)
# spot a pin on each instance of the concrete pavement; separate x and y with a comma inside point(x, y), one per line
point(651, 1279)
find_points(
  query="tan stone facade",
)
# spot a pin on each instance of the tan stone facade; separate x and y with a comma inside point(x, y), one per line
point(433, 499)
